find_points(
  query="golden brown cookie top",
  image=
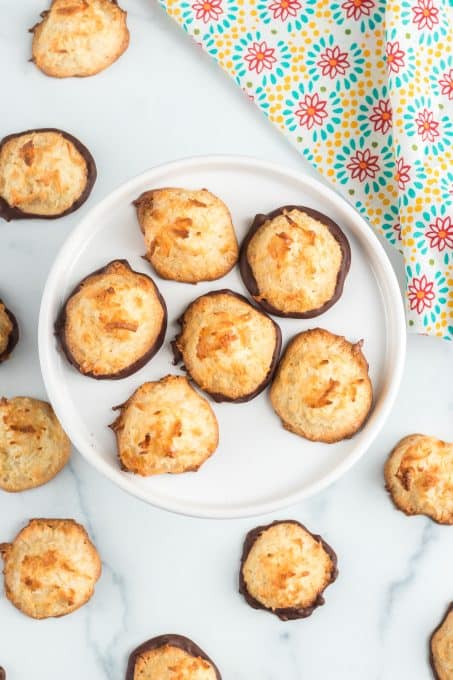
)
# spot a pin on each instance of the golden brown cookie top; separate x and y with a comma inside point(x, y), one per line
point(79, 37)
point(329, 374)
point(113, 322)
point(294, 261)
point(9, 332)
point(50, 568)
point(33, 445)
point(44, 173)
point(419, 477)
point(285, 569)
point(165, 426)
point(441, 647)
point(189, 235)
point(171, 657)
point(228, 347)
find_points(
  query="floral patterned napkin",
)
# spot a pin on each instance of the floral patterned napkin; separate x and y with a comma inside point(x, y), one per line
point(364, 90)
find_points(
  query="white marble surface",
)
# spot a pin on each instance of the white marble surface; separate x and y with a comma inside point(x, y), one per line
point(162, 573)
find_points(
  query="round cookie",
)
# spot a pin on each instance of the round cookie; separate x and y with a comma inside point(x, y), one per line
point(33, 445)
point(165, 426)
point(419, 477)
point(50, 568)
point(9, 332)
point(329, 375)
point(113, 323)
point(189, 235)
point(2, 673)
point(228, 347)
point(79, 37)
point(294, 261)
point(285, 569)
point(170, 657)
point(44, 173)
point(441, 647)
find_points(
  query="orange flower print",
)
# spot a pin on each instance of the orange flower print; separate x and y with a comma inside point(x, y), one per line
point(426, 14)
point(208, 10)
point(363, 164)
point(333, 62)
point(420, 294)
point(259, 57)
point(282, 9)
point(311, 111)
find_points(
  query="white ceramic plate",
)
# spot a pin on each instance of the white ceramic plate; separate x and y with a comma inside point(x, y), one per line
point(259, 467)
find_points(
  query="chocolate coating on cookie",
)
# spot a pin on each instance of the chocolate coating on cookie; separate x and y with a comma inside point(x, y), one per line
point(294, 261)
point(441, 647)
point(229, 348)
point(9, 332)
point(2, 673)
point(147, 655)
point(44, 157)
point(124, 317)
point(284, 569)
point(419, 477)
point(79, 37)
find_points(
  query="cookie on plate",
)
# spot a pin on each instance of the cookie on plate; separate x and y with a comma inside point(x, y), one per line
point(50, 568)
point(189, 235)
point(441, 647)
point(285, 569)
point(165, 426)
point(33, 445)
point(79, 37)
point(419, 477)
point(113, 323)
point(169, 657)
point(294, 261)
point(228, 347)
point(322, 390)
point(9, 332)
point(2, 673)
point(44, 173)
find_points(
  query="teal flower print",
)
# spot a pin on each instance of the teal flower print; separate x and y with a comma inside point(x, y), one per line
point(434, 132)
point(441, 78)
point(400, 60)
point(446, 188)
point(221, 13)
point(259, 59)
point(372, 168)
point(312, 113)
point(435, 233)
point(335, 63)
point(425, 19)
point(293, 14)
point(367, 14)
point(391, 225)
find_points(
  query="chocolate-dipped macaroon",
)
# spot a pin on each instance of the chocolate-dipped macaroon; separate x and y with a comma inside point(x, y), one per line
point(228, 346)
point(441, 647)
point(44, 173)
point(322, 390)
point(79, 37)
point(294, 261)
point(169, 657)
point(285, 569)
point(165, 426)
point(113, 323)
point(9, 332)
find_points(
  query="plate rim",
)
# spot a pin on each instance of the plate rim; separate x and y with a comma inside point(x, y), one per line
point(379, 415)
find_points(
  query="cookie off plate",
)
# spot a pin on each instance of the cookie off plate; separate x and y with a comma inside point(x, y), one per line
point(258, 467)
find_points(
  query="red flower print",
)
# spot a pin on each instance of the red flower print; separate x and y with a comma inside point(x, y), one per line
point(397, 228)
point(382, 116)
point(311, 111)
point(207, 10)
point(440, 233)
point(426, 14)
point(362, 165)
point(427, 127)
point(402, 173)
point(420, 294)
point(357, 8)
point(333, 62)
point(446, 84)
point(260, 56)
point(394, 56)
point(282, 9)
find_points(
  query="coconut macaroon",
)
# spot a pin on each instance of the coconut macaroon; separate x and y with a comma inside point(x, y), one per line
point(189, 235)
point(419, 477)
point(228, 347)
point(9, 332)
point(50, 568)
point(79, 37)
point(45, 173)
point(33, 445)
point(165, 426)
point(294, 261)
point(113, 323)
point(441, 647)
point(170, 657)
point(322, 390)
point(285, 569)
